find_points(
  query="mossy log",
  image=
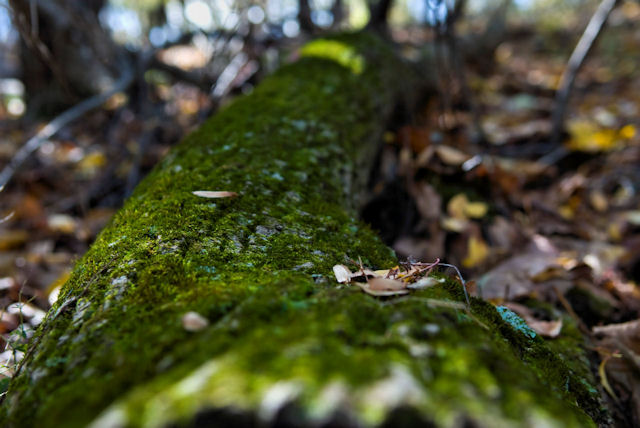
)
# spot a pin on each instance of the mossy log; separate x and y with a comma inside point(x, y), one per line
point(283, 344)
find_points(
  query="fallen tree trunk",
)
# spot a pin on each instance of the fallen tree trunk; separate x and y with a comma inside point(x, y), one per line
point(276, 341)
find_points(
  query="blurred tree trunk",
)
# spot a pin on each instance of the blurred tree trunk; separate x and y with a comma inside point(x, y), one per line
point(379, 13)
point(304, 17)
point(66, 54)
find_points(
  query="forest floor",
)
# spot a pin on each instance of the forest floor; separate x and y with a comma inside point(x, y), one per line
point(520, 225)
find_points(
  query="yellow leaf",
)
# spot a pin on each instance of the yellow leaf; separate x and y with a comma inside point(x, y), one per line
point(452, 224)
point(566, 212)
point(91, 163)
point(627, 132)
point(459, 207)
point(614, 232)
point(588, 137)
point(598, 201)
point(476, 209)
point(477, 252)
point(456, 206)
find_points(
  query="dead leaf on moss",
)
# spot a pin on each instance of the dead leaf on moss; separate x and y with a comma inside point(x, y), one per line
point(193, 321)
point(380, 290)
point(385, 284)
point(425, 282)
point(388, 282)
point(214, 194)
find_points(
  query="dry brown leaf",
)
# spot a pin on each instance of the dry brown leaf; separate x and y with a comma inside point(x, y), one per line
point(427, 200)
point(367, 289)
point(621, 341)
point(514, 277)
point(385, 284)
point(544, 328)
point(214, 194)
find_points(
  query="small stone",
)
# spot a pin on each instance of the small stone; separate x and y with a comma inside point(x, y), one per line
point(265, 231)
point(119, 281)
point(303, 266)
point(431, 329)
point(193, 321)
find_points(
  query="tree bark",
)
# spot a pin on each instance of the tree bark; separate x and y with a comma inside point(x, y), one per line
point(276, 341)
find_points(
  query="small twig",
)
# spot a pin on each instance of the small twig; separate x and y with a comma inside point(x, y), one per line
point(60, 122)
point(362, 269)
point(194, 78)
point(7, 217)
point(582, 49)
point(464, 284)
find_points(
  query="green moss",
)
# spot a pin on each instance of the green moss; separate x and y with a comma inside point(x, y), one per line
point(258, 267)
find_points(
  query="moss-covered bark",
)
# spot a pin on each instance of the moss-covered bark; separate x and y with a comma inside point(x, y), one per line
point(284, 343)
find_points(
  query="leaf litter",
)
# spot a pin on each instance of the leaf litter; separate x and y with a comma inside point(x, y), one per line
point(528, 229)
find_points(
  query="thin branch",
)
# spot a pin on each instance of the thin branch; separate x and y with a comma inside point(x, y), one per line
point(464, 283)
point(197, 79)
point(582, 49)
point(60, 122)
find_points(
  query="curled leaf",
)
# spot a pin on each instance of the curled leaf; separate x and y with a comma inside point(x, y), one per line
point(214, 194)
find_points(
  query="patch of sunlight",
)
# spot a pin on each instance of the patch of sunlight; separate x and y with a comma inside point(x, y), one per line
point(339, 52)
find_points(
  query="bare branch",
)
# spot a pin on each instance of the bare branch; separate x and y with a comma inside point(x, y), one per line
point(582, 49)
point(61, 121)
